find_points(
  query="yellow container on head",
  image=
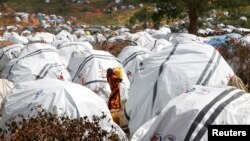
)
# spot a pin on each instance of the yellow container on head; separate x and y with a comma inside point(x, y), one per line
point(118, 72)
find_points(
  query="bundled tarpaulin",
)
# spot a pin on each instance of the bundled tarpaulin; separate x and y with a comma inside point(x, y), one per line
point(186, 118)
point(36, 61)
point(131, 58)
point(223, 40)
point(57, 97)
point(177, 38)
point(90, 71)
point(5, 87)
point(45, 37)
point(8, 53)
point(62, 37)
point(67, 49)
point(170, 72)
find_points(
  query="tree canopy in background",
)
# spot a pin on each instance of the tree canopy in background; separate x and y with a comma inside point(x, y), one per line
point(193, 8)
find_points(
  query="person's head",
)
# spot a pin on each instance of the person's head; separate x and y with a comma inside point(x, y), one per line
point(109, 72)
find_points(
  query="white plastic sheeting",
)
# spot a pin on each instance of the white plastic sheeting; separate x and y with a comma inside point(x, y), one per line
point(63, 37)
point(169, 73)
point(131, 58)
point(42, 37)
point(5, 87)
point(86, 38)
point(90, 71)
point(8, 53)
point(245, 41)
point(15, 38)
point(187, 117)
point(177, 38)
point(99, 38)
point(67, 49)
point(57, 97)
point(158, 45)
point(36, 61)
point(162, 33)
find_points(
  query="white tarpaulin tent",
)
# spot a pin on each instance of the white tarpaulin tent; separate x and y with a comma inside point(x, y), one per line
point(86, 38)
point(67, 49)
point(15, 38)
point(90, 71)
point(187, 117)
point(58, 97)
point(177, 38)
point(42, 37)
point(169, 73)
point(142, 39)
point(8, 53)
point(36, 61)
point(5, 87)
point(145, 40)
point(162, 33)
point(63, 37)
point(158, 45)
point(131, 58)
point(245, 41)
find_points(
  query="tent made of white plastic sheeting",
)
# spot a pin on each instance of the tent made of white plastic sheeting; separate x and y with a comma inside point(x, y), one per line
point(158, 45)
point(177, 38)
point(142, 39)
point(140, 133)
point(147, 41)
point(120, 37)
point(62, 37)
point(45, 37)
point(187, 117)
point(123, 30)
point(5, 87)
point(86, 38)
point(162, 33)
point(169, 73)
point(245, 41)
point(131, 58)
point(79, 32)
point(242, 30)
point(150, 31)
point(57, 97)
point(90, 71)
point(36, 61)
point(17, 39)
point(67, 49)
point(25, 33)
point(99, 38)
point(8, 53)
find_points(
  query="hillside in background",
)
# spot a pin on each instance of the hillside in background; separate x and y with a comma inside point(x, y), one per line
point(90, 13)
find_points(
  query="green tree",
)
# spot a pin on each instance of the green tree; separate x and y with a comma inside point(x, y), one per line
point(194, 9)
point(144, 15)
